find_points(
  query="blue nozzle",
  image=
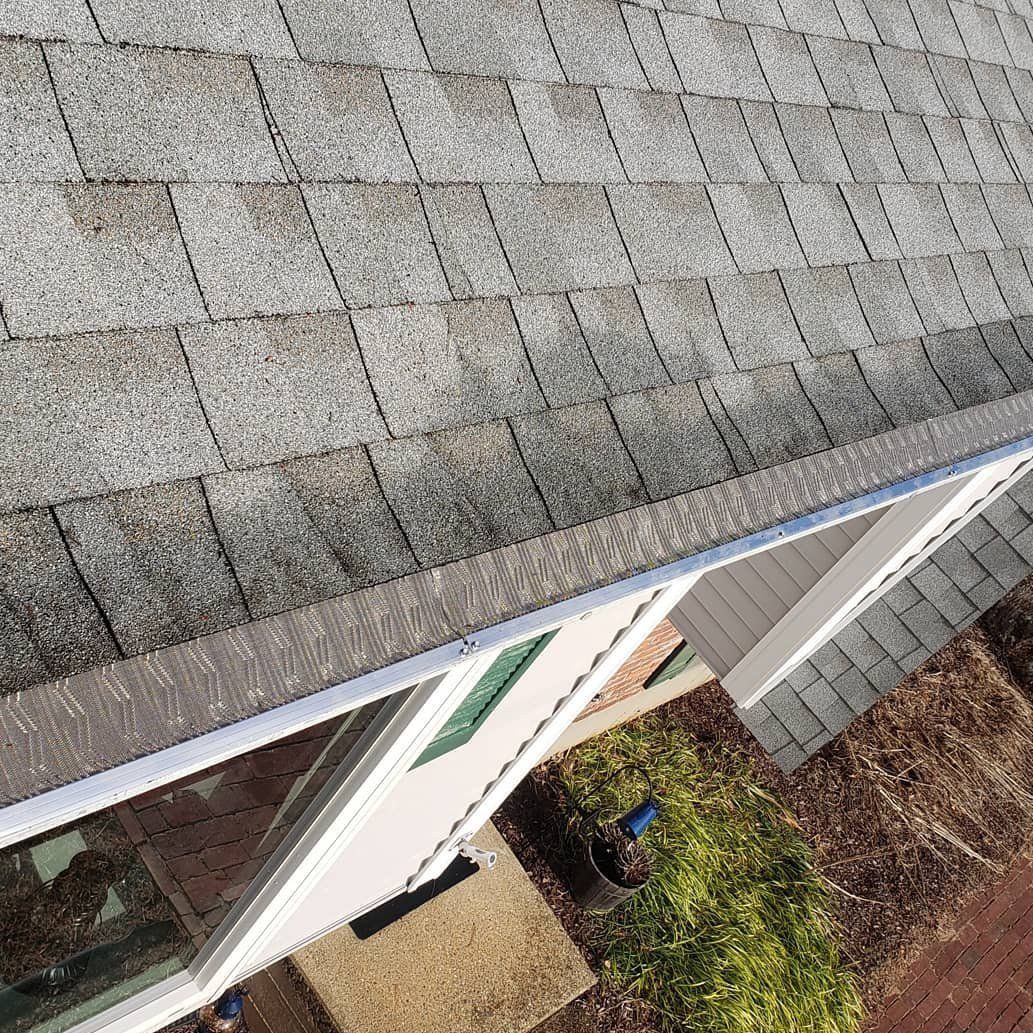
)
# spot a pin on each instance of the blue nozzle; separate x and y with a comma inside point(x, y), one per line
point(637, 820)
point(231, 1005)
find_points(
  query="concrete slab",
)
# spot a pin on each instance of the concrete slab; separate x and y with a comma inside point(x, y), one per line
point(486, 957)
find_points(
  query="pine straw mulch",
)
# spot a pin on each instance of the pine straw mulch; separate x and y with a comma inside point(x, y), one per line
point(922, 803)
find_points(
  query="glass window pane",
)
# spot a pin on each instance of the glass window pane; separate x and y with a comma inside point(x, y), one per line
point(100, 909)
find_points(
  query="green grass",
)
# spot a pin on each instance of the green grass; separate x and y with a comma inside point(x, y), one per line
point(733, 933)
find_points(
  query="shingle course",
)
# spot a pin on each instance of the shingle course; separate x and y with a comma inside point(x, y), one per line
point(756, 225)
point(904, 382)
point(844, 401)
point(787, 66)
point(758, 323)
point(823, 224)
point(725, 146)
point(714, 57)
point(827, 309)
point(592, 43)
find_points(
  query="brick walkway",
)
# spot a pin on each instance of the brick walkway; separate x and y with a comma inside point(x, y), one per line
point(981, 981)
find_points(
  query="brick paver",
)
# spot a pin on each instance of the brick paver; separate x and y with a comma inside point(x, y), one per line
point(979, 981)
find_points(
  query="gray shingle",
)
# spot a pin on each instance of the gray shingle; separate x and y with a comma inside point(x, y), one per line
point(886, 302)
point(849, 74)
point(822, 700)
point(648, 41)
point(768, 730)
point(154, 562)
point(34, 143)
point(926, 623)
point(615, 329)
point(993, 87)
point(864, 652)
point(971, 217)
point(812, 140)
point(460, 127)
point(49, 626)
point(886, 676)
point(1007, 349)
point(837, 389)
point(827, 309)
point(470, 251)
point(460, 492)
point(1023, 545)
point(909, 81)
point(439, 366)
point(980, 288)
point(829, 660)
point(670, 231)
point(276, 388)
point(684, 326)
point(49, 19)
point(715, 58)
point(952, 148)
point(937, 294)
point(1012, 278)
point(83, 257)
point(754, 12)
point(989, 156)
point(870, 218)
point(652, 136)
point(757, 321)
point(772, 413)
point(856, 690)
point(566, 131)
point(904, 382)
point(785, 703)
point(958, 86)
point(1018, 143)
point(770, 143)
point(936, 25)
point(915, 148)
point(1015, 29)
point(986, 594)
point(85, 415)
point(336, 122)
point(967, 367)
point(280, 557)
point(790, 757)
point(1003, 562)
point(592, 43)
point(981, 33)
point(1012, 213)
point(502, 39)
point(230, 28)
point(734, 441)
point(787, 66)
point(724, 142)
point(802, 676)
point(883, 624)
point(356, 32)
point(562, 363)
point(340, 495)
point(902, 596)
point(919, 219)
point(579, 462)
point(559, 237)
point(867, 145)
point(1005, 517)
point(756, 225)
point(163, 115)
point(672, 438)
point(253, 249)
point(955, 560)
point(857, 21)
point(378, 243)
point(818, 17)
point(976, 533)
point(823, 224)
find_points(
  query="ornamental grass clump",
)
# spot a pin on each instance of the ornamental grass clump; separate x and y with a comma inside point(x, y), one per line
point(732, 933)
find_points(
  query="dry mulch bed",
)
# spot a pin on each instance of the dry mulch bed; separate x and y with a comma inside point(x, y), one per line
point(920, 804)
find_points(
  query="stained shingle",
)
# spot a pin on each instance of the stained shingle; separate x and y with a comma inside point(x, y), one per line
point(813, 142)
point(979, 287)
point(648, 41)
point(592, 43)
point(356, 32)
point(935, 290)
point(724, 142)
point(971, 217)
point(849, 74)
point(770, 143)
point(1012, 278)
point(378, 243)
point(867, 145)
point(1012, 213)
point(566, 131)
point(670, 231)
point(231, 28)
point(504, 39)
point(673, 439)
point(615, 329)
point(253, 249)
point(886, 302)
point(823, 224)
point(163, 115)
point(562, 363)
point(870, 218)
point(559, 237)
point(34, 143)
point(49, 625)
point(684, 326)
point(910, 81)
point(915, 147)
point(919, 219)
point(773, 414)
point(337, 122)
point(276, 388)
point(844, 401)
point(904, 382)
point(959, 87)
point(757, 321)
point(715, 58)
point(439, 366)
point(936, 25)
point(757, 227)
point(460, 127)
point(154, 562)
point(788, 67)
point(981, 33)
point(827, 309)
point(857, 21)
point(952, 148)
point(82, 257)
point(993, 87)
point(966, 367)
point(49, 19)
point(460, 492)
point(1007, 349)
point(579, 462)
point(986, 149)
point(652, 136)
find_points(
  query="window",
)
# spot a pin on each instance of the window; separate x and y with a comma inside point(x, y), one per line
point(484, 697)
point(675, 663)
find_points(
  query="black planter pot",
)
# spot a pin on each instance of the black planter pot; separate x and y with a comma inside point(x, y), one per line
point(594, 890)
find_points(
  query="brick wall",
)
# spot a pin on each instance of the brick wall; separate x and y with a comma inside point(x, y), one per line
point(630, 679)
